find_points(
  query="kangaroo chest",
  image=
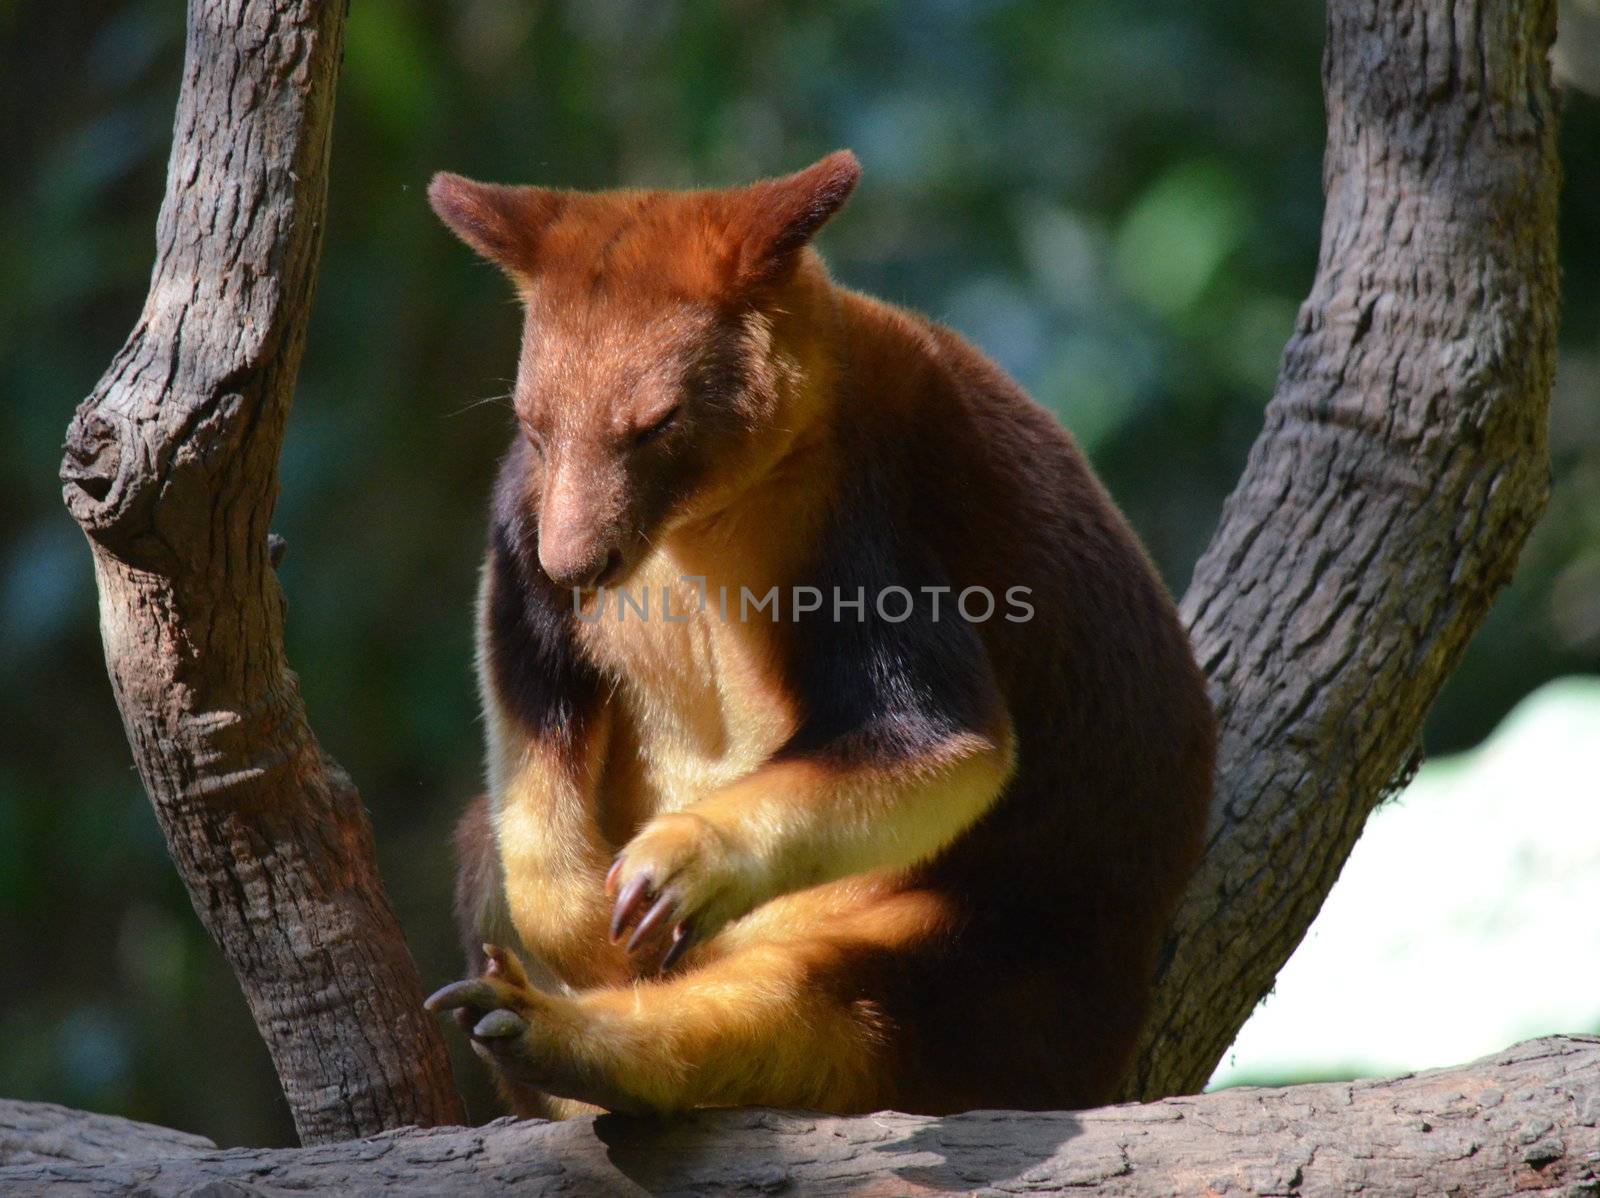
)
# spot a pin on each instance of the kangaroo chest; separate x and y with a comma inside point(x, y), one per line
point(698, 703)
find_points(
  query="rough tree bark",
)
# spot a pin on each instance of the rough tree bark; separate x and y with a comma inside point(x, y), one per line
point(1383, 507)
point(1401, 467)
point(172, 470)
point(1522, 1122)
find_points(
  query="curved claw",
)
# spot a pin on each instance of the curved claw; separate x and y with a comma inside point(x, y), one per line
point(628, 903)
point(475, 992)
point(682, 940)
point(502, 963)
point(612, 875)
point(653, 918)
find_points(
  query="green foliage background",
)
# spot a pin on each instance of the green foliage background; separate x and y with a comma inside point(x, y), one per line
point(1119, 202)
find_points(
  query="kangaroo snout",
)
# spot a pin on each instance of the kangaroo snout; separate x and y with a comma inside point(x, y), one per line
point(580, 536)
point(586, 569)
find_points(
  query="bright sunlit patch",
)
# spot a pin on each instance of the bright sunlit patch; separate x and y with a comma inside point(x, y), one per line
point(1465, 920)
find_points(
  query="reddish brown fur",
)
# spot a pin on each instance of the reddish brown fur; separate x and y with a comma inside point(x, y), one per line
point(844, 438)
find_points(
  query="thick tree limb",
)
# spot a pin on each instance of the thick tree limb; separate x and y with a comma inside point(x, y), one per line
point(1524, 1121)
point(172, 470)
point(36, 1132)
point(1402, 466)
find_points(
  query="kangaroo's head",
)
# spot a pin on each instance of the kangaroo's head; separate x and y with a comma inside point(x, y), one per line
point(671, 346)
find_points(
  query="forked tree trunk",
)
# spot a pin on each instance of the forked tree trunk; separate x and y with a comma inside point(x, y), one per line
point(172, 470)
point(1402, 465)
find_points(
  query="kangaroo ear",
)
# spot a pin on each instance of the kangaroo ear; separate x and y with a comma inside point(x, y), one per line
point(774, 219)
point(504, 224)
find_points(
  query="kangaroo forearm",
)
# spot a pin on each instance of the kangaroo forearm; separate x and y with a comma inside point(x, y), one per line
point(804, 822)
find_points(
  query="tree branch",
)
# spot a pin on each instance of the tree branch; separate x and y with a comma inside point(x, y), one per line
point(1402, 465)
point(39, 1132)
point(172, 471)
point(1523, 1121)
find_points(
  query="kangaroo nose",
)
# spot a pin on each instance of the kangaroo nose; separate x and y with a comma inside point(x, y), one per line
point(585, 572)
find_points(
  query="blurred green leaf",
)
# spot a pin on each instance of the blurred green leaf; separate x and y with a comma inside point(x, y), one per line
point(1178, 234)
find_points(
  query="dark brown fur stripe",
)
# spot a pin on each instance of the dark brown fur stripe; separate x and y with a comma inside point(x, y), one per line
point(533, 657)
point(874, 691)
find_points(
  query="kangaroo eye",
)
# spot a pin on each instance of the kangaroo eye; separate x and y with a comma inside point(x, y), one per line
point(648, 434)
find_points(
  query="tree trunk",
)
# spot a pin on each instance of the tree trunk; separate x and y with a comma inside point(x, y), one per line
point(1402, 466)
point(1521, 1122)
point(172, 471)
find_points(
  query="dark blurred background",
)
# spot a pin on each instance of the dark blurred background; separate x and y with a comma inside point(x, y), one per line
point(1119, 202)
